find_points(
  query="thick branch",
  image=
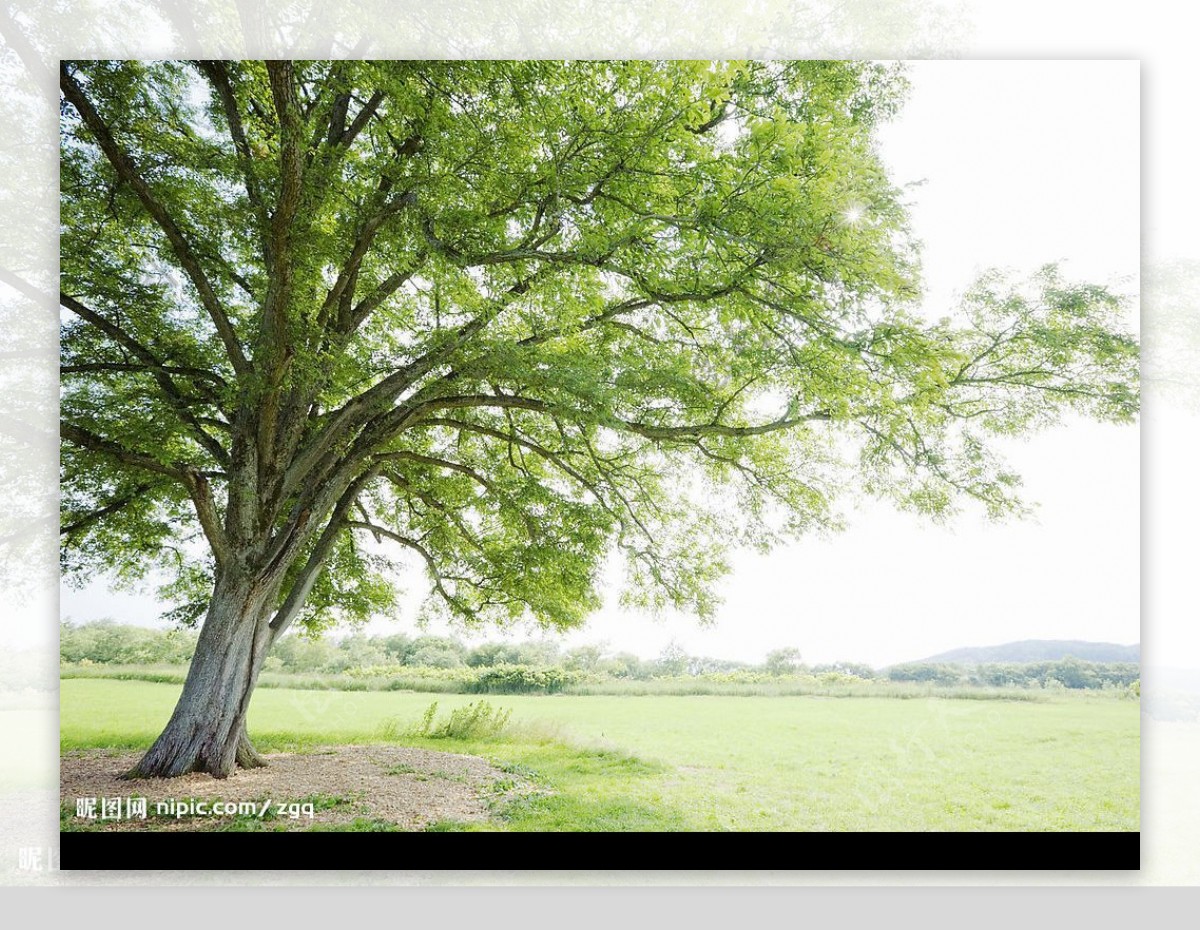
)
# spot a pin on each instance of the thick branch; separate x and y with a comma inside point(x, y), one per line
point(337, 118)
point(21, 286)
point(93, 443)
point(218, 76)
point(88, 367)
point(718, 429)
point(406, 417)
point(360, 120)
point(341, 294)
point(287, 205)
point(386, 289)
point(18, 42)
point(210, 519)
point(307, 577)
point(273, 350)
point(376, 400)
point(403, 417)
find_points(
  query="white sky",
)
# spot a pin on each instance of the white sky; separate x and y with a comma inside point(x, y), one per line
point(1024, 162)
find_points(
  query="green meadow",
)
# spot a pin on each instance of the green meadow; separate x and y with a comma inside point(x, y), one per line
point(1069, 762)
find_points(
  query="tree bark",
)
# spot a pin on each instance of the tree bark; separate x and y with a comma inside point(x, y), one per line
point(247, 756)
point(207, 731)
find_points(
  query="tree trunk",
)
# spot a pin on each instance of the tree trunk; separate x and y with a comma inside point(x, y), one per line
point(247, 756)
point(207, 731)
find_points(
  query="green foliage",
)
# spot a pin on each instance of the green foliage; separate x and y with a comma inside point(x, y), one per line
point(477, 721)
point(846, 669)
point(626, 665)
point(505, 317)
point(306, 654)
point(107, 642)
point(520, 679)
point(584, 658)
point(435, 657)
point(446, 665)
point(1068, 673)
point(782, 661)
point(672, 661)
point(928, 672)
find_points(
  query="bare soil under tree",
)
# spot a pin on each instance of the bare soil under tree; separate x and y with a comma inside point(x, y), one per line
point(405, 787)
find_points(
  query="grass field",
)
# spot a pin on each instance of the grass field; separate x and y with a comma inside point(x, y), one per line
point(723, 763)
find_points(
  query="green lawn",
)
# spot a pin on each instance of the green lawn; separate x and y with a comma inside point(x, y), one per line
point(726, 763)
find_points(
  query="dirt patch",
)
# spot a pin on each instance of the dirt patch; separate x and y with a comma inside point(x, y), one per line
point(400, 787)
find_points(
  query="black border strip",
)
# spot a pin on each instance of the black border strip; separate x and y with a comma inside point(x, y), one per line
point(806, 851)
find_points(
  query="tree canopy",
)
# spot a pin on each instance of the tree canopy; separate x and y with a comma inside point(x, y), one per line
point(507, 317)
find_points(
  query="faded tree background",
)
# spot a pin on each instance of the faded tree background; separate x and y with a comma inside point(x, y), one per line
point(36, 35)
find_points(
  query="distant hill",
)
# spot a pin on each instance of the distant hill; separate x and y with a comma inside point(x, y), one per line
point(1040, 650)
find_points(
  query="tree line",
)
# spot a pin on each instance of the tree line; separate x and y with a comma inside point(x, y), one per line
point(545, 665)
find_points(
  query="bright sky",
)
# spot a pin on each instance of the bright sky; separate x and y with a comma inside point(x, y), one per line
point(1023, 162)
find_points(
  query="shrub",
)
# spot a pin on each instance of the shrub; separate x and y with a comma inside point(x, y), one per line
point(523, 679)
point(107, 643)
point(929, 672)
point(475, 721)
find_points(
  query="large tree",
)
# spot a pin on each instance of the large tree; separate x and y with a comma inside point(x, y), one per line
point(507, 317)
